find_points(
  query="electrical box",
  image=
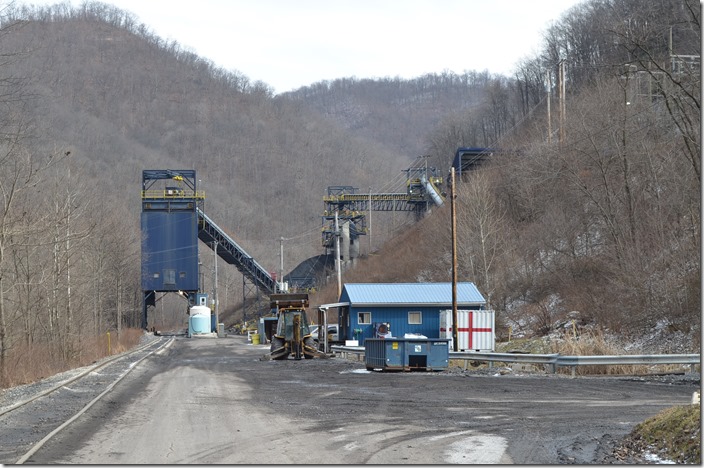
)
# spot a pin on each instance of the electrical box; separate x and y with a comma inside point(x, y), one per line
point(202, 299)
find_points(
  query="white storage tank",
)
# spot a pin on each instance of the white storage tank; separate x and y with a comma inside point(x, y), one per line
point(475, 329)
point(199, 320)
point(200, 310)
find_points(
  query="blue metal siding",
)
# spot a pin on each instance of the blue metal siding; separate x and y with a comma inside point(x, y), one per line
point(397, 318)
point(169, 251)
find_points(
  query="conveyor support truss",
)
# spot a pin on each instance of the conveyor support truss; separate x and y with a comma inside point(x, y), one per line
point(232, 253)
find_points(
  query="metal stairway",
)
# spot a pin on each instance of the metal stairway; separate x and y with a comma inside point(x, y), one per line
point(232, 253)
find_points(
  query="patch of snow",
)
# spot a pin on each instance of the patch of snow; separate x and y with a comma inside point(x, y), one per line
point(449, 434)
point(653, 458)
point(414, 335)
point(479, 449)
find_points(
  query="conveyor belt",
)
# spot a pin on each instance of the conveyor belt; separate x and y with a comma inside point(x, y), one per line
point(233, 254)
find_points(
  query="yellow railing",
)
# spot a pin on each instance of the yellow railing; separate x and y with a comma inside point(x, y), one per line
point(361, 197)
point(171, 193)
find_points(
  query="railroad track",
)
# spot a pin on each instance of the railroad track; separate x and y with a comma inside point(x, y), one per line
point(28, 424)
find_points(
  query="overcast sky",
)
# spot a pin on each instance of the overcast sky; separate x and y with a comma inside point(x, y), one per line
point(292, 43)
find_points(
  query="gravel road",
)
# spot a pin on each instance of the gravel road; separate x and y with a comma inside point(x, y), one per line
point(210, 400)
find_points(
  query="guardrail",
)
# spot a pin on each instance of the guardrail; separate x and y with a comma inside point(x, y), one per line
point(629, 359)
point(345, 350)
point(555, 360)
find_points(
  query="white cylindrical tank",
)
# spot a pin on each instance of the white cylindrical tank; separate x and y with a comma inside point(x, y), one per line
point(199, 321)
point(431, 190)
point(200, 310)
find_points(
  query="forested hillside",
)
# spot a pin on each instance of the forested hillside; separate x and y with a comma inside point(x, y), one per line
point(90, 99)
point(594, 213)
point(399, 113)
point(595, 210)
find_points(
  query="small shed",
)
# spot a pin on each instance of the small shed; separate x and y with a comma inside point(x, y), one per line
point(372, 310)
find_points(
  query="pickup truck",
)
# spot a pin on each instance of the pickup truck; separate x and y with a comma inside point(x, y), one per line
point(333, 334)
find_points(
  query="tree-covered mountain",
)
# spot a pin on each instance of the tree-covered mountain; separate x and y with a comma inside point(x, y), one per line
point(593, 207)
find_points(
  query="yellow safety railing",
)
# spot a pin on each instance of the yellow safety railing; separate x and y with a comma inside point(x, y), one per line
point(361, 197)
point(172, 193)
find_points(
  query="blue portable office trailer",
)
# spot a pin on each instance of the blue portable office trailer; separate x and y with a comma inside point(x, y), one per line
point(372, 310)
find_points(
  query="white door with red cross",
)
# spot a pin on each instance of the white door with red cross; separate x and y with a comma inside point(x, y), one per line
point(475, 329)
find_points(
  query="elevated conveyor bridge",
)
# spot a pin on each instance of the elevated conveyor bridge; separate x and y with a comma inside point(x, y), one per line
point(423, 190)
point(232, 253)
point(470, 159)
point(379, 201)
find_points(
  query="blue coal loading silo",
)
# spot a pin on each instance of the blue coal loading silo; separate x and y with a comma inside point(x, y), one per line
point(169, 223)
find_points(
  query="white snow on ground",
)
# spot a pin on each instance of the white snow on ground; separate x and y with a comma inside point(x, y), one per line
point(652, 458)
point(477, 450)
point(356, 371)
point(449, 434)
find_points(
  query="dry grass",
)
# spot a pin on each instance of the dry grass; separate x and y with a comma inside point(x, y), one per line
point(586, 343)
point(674, 433)
point(593, 343)
point(26, 364)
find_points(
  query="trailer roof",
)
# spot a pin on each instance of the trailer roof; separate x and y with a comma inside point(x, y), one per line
point(390, 294)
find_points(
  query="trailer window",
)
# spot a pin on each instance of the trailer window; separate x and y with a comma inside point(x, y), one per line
point(415, 318)
point(364, 318)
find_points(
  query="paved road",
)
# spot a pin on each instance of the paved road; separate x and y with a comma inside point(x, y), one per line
point(208, 400)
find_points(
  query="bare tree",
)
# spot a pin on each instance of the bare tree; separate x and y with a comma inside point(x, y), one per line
point(20, 172)
point(481, 228)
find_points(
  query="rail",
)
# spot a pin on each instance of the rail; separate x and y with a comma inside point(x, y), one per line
point(119, 367)
point(344, 350)
point(624, 360)
point(93, 368)
point(556, 360)
point(170, 193)
point(549, 359)
point(350, 197)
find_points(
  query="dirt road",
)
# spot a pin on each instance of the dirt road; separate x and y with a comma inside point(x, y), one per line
point(214, 401)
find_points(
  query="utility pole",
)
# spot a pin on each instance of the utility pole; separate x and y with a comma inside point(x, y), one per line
point(215, 285)
point(281, 265)
point(338, 267)
point(454, 259)
point(562, 102)
point(370, 219)
point(549, 84)
point(244, 301)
